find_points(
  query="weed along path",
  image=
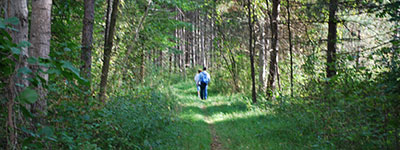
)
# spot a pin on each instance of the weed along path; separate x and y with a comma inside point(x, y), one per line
point(228, 123)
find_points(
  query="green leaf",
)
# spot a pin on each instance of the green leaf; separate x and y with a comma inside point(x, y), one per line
point(15, 50)
point(32, 60)
point(2, 25)
point(13, 21)
point(69, 66)
point(53, 71)
point(24, 44)
point(25, 70)
point(26, 112)
point(67, 49)
point(29, 95)
point(47, 131)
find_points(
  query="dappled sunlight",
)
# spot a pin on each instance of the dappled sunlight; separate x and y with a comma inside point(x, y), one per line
point(199, 117)
point(219, 117)
point(194, 104)
point(232, 119)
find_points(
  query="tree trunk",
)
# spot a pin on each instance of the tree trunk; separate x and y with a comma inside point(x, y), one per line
point(40, 33)
point(273, 66)
point(108, 16)
point(332, 38)
point(290, 48)
point(19, 9)
point(193, 39)
point(212, 32)
point(142, 62)
point(253, 91)
point(261, 58)
point(203, 49)
point(108, 44)
point(87, 40)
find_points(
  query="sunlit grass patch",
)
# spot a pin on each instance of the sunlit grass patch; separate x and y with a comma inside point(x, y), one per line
point(218, 117)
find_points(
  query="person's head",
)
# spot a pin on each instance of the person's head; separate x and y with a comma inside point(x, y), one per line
point(199, 70)
point(204, 68)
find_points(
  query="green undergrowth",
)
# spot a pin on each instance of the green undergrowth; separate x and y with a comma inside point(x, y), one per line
point(134, 117)
point(125, 122)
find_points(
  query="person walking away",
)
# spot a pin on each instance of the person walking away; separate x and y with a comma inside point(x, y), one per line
point(204, 81)
point(197, 80)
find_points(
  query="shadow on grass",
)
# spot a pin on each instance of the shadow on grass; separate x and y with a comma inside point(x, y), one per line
point(235, 107)
point(260, 132)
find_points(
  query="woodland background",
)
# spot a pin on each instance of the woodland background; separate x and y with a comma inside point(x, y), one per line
point(86, 74)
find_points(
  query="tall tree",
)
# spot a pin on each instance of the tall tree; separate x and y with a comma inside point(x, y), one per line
point(19, 9)
point(273, 66)
point(108, 44)
point(40, 34)
point(251, 47)
point(290, 46)
point(332, 38)
point(261, 59)
point(87, 39)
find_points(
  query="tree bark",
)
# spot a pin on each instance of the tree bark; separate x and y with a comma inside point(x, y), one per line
point(193, 38)
point(87, 40)
point(19, 9)
point(203, 49)
point(290, 48)
point(250, 21)
point(108, 16)
point(142, 62)
point(40, 33)
point(273, 67)
point(332, 38)
point(261, 58)
point(108, 44)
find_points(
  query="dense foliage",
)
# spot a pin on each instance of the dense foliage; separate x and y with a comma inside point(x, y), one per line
point(158, 47)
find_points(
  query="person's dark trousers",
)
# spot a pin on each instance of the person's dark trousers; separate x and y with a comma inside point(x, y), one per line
point(203, 91)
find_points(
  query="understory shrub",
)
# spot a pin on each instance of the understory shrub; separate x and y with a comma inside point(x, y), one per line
point(125, 122)
point(351, 112)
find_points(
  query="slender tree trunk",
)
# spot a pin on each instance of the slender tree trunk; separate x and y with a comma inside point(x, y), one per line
point(108, 18)
point(212, 35)
point(198, 36)
point(261, 57)
point(40, 33)
point(203, 49)
point(207, 39)
point(170, 62)
point(193, 38)
point(273, 66)
point(19, 9)
point(108, 44)
point(332, 38)
point(290, 48)
point(176, 47)
point(142, 62)
point(359, 47)
point(161, 58)
point(253, 91)
point(87, 40)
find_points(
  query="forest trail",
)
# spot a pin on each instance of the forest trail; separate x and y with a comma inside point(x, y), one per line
point(226, 122)
point(215, 144)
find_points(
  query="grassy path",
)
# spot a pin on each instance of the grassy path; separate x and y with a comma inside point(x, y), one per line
point(227, 123)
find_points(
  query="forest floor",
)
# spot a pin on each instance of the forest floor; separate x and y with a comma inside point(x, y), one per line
point(226, 122)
